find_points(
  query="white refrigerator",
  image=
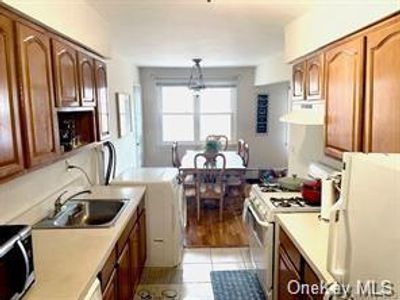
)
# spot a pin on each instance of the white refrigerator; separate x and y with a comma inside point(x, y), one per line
point(364, 233)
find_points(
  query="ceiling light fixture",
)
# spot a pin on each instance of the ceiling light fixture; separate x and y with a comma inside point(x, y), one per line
point(196, 80)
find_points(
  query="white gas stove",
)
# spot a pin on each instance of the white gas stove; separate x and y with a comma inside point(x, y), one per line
point(268, 200)
point(261, 207)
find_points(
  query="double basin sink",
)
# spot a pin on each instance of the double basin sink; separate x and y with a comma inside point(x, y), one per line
point(83, 213)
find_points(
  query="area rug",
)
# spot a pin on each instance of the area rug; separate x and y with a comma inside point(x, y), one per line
point(236, 285)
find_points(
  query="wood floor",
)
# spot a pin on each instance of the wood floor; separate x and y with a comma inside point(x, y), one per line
point(209, 231)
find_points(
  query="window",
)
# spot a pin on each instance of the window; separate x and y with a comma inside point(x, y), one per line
point(186, 118)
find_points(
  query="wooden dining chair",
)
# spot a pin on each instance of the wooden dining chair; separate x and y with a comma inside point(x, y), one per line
point(246, 155)
point(210, 179)
point(240, 147)
point(222, 139)
point(176, 161)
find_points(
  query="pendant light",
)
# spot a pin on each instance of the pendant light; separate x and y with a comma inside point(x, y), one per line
point(196, 81)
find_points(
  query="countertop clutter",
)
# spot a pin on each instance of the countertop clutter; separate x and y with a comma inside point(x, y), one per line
point(310, 235)
point(67, 261)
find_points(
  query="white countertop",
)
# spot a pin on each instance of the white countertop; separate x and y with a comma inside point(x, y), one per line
point(67, 261)
point(310, 235)
point(145, 175)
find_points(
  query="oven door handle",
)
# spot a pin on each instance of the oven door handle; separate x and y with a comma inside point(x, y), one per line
point(26, 261)
point(262, 223)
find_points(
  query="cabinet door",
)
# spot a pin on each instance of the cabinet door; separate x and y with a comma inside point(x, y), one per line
point(37, 94)
point(134, 251)
point(103, 106)
point(314, 77)
point(110, 292)
point(286, 273)
point(311, 279)
point(298, 80)
point(124, 275)
point(142, 242)
point(65, 74)
point(343, 90)
point(86, 79)
point(11, 159)
point(382, 126)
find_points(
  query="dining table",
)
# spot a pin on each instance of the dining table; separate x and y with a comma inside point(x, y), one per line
point(234, 162)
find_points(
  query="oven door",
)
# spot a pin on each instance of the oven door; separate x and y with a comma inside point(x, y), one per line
point(16, 269)
point(261, 237)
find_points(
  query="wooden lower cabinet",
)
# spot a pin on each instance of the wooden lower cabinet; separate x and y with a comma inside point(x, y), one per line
point(287, 274)
point(126, 261)
point(134, 240)
point(292, 267)
point(111, 292)
point(124, 274)
point(142, 242)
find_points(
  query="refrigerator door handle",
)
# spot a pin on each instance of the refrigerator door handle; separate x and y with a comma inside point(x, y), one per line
point(334, 238)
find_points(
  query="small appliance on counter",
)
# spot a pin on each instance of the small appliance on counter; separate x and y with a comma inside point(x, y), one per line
point(16, 261)
point(329, 194)
point(311, 192)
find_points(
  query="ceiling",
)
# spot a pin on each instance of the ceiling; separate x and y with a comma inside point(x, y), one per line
point(223, 32)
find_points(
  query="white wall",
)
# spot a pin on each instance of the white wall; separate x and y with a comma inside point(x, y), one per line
point(78, 20)
point(273, 70)
point(121, 78)
point(306, 145)
point(324, 24)
point(74, 18)
point(265, 150)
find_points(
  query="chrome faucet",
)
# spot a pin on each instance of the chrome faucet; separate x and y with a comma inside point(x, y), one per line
point(58, 203)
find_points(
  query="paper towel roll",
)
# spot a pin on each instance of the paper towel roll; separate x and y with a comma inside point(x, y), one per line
point(327, 198)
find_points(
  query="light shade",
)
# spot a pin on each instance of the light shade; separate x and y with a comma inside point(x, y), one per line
point(196, 81)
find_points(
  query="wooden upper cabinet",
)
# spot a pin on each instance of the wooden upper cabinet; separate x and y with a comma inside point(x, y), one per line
point(343, 92)
point(382, 122)
point(39, 118)
point(298, 80)
point(314, 77)
point(11, 157)
point(86, 80)
point(103, 105)
point(65, 74)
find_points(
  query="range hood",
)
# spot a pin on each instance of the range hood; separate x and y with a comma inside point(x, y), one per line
point(306, 113)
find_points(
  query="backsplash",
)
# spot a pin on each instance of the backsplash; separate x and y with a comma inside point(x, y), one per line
point(306, 145)
point(23, 193)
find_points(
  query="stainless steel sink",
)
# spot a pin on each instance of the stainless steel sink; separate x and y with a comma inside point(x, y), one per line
point(85, 214)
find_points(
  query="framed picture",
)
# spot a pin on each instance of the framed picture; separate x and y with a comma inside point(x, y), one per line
point(124, 111)
point(262, 114)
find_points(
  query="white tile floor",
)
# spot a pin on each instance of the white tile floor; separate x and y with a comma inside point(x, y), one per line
point(193, 275)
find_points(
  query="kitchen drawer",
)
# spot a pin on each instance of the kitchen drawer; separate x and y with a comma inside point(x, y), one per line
point(290, 249)
point(108, 269)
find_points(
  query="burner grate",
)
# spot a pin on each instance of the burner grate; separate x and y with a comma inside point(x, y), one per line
point(288, 202)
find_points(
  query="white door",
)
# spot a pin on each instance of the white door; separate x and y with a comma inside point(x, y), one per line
point(138, 126)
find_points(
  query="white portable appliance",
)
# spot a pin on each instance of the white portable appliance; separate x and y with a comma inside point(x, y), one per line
point(164, 213)
point(364, 236)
